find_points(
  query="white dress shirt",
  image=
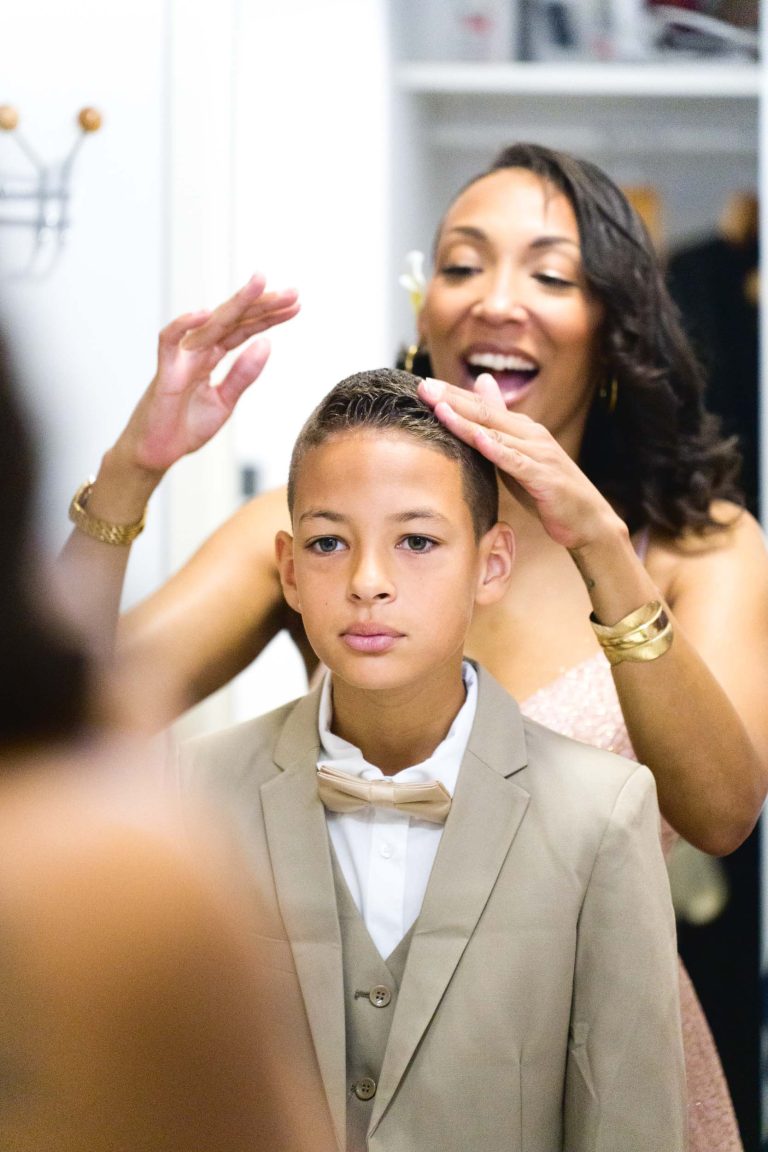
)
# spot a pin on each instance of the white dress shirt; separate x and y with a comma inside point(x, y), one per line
point(385, 856)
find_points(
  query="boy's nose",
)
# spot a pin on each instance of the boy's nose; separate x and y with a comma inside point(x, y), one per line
point(369, 580)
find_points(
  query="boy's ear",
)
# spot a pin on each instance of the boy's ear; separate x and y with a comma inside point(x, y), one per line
point(285, 566)
point(497, 555)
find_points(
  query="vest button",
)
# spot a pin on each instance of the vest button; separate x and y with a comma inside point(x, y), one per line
point(365, 1089)
point(380, 996)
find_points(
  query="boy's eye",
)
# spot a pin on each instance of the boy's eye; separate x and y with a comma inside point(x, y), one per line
point(418, 543)
point(325, 544)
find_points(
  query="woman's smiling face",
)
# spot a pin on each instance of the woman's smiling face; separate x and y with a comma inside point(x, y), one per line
point(508, 296)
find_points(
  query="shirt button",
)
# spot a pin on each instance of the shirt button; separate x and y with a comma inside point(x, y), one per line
point(380, 996)
point(386, 851)
point(365, 1089)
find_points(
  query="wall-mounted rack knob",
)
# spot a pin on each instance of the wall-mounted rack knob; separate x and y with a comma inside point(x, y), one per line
point(89, 119)
point(9, 118)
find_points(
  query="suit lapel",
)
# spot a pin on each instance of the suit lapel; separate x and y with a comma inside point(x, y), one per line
point(301, 863)
point(486, 812)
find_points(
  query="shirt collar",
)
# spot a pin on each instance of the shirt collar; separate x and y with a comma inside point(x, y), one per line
point(442, 765)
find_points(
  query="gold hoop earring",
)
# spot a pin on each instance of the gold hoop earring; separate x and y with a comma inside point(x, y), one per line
point(609, 394)
point(410, 356)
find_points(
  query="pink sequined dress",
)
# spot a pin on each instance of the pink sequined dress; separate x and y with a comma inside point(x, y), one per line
point(583, 704)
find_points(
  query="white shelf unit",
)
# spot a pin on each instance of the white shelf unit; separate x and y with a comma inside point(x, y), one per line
point(688, 80)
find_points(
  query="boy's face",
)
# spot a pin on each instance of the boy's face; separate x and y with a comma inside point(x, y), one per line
point(384, 566)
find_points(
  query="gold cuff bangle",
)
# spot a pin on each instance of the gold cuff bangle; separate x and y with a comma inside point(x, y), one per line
point(102, 530)
point(644, 634)
point(645, 650)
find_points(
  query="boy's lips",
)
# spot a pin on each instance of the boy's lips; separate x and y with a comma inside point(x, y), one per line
point(370, 637)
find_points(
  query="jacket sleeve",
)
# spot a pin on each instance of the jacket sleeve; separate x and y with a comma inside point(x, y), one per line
point(625, 1077)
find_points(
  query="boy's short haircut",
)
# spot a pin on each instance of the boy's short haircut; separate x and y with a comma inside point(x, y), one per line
point(387, 400)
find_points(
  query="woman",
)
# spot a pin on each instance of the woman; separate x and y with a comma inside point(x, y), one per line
point(618, 490)
point(135, 1012)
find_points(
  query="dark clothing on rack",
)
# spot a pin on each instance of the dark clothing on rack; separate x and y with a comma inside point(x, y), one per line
point(709, 280)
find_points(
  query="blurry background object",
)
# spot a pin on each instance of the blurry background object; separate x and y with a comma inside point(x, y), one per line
point(591, 30)
point(37, 202)
point(646, 200)
point(697, 28)
point(714, 280)
point(700, 889)
point(469, 30)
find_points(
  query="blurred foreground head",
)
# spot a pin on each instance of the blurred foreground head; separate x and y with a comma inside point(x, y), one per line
point(43, 668)
point(136, 1010)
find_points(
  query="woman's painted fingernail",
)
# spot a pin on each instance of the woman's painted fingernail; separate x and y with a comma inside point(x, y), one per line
point(433, 388)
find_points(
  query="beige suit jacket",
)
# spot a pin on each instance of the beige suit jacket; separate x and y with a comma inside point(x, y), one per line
point(539, 1005)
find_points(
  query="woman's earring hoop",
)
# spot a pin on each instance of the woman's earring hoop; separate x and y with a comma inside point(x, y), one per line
point(410, 356)
point(609, 394)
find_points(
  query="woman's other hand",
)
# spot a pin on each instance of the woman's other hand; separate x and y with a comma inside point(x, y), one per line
point(531, 463)
point(179, 412)
point(182, 409)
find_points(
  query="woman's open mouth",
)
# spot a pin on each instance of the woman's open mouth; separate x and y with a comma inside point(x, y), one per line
point(514, 374)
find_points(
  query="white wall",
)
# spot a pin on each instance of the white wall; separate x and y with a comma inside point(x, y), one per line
point(84, 336)
point(292, 102)
point(236, 136)
point(311, 199)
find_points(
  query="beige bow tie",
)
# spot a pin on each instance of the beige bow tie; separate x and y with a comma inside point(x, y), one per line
point(341, 792)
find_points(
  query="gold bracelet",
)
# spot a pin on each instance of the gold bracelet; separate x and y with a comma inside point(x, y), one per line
point(101, 529)
point(644, 634)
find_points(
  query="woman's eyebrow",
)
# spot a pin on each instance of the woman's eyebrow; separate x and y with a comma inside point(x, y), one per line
point(468, 230)
point(547, 241)
point(553, 241)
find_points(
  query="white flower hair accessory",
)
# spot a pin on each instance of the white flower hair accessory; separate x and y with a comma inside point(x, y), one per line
point(413, 280)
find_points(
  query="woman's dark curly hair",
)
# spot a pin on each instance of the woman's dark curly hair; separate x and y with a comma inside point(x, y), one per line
point(44, 672)
point(658, 457)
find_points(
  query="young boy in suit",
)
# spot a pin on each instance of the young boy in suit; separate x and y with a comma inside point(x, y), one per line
point(468, 914)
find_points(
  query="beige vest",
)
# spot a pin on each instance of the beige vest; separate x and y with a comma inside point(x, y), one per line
point(371, 986)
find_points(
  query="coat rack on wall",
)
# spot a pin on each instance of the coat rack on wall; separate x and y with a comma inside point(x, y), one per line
point(38, 201)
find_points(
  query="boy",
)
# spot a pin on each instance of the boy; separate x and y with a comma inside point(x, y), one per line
point(485, 958)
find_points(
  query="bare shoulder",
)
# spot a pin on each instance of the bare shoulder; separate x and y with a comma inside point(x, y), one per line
point(252, 528)
point(213, 616)
point(736, 548)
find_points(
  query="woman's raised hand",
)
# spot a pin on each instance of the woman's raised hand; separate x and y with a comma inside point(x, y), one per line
point(531, 463)
point(181, 410)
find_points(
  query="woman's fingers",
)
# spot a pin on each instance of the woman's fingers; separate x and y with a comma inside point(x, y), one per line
point(492, 443)
point(227, 315)
point(533, 466)
point(259, 322)
point(249, 311)
point(489, 392)
point(246, 368)
point(173, 333)
point(483, 406)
